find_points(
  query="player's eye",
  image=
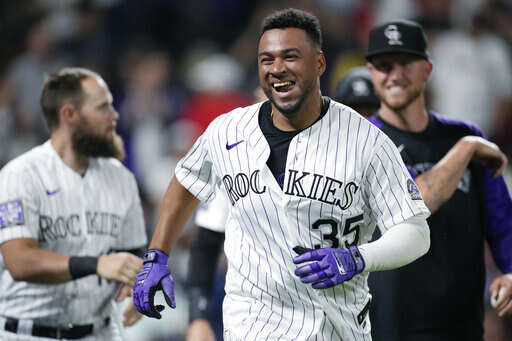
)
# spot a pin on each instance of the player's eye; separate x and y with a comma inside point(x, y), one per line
point(383, 66)
point(266, 60)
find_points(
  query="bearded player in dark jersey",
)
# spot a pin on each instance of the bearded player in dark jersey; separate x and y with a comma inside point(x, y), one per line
point(440, 296)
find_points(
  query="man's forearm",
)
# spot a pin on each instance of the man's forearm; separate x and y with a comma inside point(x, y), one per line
point(27, 262)
point(439, 183)
point(177, 207)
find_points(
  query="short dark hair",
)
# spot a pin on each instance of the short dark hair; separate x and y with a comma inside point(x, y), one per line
point(296, 18)
point(62, 87)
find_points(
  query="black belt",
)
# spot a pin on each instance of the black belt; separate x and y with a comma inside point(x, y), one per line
point(72, 333)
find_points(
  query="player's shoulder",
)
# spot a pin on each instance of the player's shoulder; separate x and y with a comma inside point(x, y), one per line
point(345, 112)
point(32, 159)
point(456, 125)
point(237, 117)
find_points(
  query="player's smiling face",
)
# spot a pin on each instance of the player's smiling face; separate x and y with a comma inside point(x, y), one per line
point(289, 67)
point(399, 78)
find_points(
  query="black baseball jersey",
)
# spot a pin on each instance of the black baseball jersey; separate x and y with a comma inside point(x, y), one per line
point(443, 290)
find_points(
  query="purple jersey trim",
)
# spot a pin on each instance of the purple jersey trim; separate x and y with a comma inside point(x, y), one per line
point(376, 122)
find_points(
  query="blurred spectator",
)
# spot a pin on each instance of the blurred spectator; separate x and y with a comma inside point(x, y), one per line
point(150, 103)
point(7, 127)
point(26, 76)
point(214, 81)
point(355, 89)
point(475, 65)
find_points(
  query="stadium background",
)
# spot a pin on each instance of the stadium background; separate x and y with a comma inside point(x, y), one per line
point(174, 65)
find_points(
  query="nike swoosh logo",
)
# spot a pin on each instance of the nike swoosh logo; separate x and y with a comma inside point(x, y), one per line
point(400, 148)
point(230, 146)
point(341, 269)
point(52, 192)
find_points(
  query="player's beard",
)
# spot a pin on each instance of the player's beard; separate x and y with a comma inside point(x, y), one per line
point(398, 107)
point(89, 144)
point(291, 110)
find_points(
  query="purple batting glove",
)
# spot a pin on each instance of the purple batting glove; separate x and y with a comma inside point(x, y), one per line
point(155, 275)
point(329, 266)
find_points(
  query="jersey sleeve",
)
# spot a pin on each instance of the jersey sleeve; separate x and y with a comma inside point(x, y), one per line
point(134, 228)
point(19, 206)
point(195, 170)
point(497, 216)
point(498, 221)
point(391, 193)
point(213, 215)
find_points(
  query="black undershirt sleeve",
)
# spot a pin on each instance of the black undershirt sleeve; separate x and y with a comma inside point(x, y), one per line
point(201, 270)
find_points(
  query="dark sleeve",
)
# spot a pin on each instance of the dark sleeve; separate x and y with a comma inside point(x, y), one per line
point(139, 252)
point(498, 216)
point(498, 221)
point(201, 270)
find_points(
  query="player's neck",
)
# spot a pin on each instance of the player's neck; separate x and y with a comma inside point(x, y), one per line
point(413, 118)
point(308, 114)
point(64, 149)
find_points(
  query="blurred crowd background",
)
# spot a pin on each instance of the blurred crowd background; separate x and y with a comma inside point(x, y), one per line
point(173, 66)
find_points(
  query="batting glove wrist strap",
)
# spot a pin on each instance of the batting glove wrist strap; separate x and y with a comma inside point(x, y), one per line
point(358, 259)
point(155, 256)
point(155, 275)
point(329, 266)
point(82, 266)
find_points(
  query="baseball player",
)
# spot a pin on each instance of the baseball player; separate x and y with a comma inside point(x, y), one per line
point(355, 89)
point(307, 181)
point(439, 297)
point(69, 214)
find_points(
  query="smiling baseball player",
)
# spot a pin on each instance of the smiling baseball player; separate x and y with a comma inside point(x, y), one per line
point(307, 180)
point(67, 209)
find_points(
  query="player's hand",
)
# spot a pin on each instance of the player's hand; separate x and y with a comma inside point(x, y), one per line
point(501, 294)
point(488, 154)
point(200, 330)
point(329, 266)
point(131, 315)
point(122, 267)
point(123, 291)
point(155, 275)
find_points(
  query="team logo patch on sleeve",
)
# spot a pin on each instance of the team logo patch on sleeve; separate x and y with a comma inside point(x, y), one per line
point(413, 190)
point(11, 213)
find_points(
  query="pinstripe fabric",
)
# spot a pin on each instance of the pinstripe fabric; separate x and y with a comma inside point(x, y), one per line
point(343, 177)
point(72, 215)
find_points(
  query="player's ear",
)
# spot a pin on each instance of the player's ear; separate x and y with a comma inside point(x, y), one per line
point(428, 69)
point(67, 113)
point(320, 63)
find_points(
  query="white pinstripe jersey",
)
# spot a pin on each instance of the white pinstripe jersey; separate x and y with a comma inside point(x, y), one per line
point(343, 176)
point(213, 215)
point(42, 198)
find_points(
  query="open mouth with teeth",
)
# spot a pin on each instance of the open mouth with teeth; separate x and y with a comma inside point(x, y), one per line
point(283, 86)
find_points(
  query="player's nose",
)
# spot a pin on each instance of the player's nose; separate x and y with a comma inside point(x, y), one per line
point(278, 67)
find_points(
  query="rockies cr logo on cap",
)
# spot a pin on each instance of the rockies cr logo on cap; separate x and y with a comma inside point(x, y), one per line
point(393, 34)
point(360, 88)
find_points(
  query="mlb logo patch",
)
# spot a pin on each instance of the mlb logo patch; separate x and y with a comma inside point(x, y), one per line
point(413, 190)
point(11, 213)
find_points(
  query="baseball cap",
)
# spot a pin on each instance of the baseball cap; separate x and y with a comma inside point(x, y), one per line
point(356, 89)
point(398, 36)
